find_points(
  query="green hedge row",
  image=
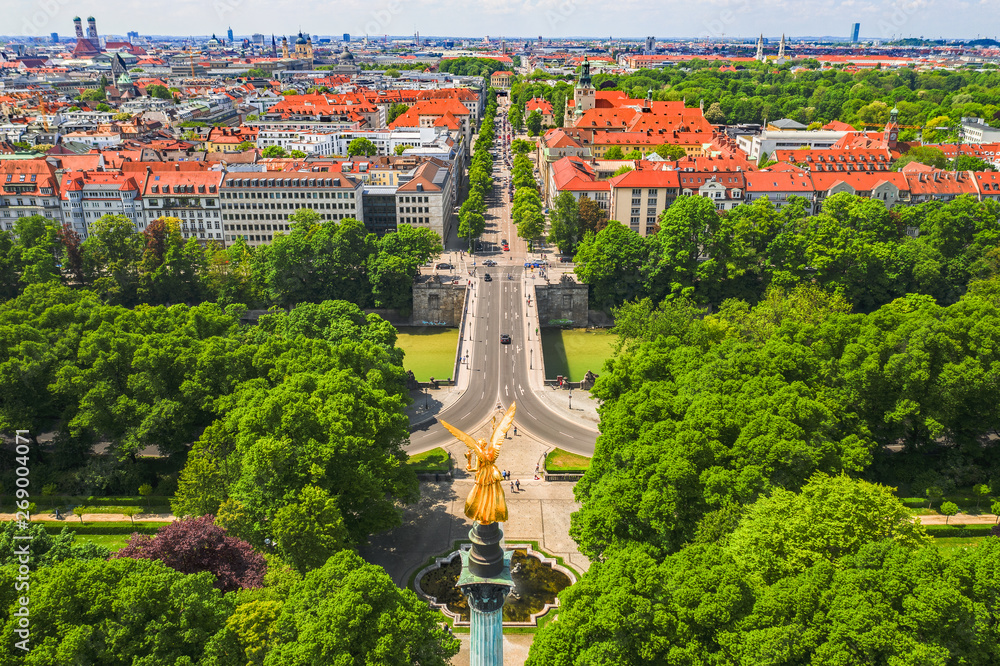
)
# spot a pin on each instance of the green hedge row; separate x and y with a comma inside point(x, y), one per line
point(55, 527)
point(938, 531)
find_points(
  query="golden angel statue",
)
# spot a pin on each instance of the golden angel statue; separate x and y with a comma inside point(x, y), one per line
point(486, 503)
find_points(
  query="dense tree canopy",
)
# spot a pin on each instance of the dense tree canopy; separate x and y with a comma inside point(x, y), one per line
point(700, 413)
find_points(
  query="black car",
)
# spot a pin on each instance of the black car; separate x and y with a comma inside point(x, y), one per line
point(503, 241)
point(565, 260)
point(489, 262)
point(444, 266)
point(504, 339)
point(488, 278)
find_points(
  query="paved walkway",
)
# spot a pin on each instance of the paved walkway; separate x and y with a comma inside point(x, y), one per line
point(539, 512)
point(95, 517)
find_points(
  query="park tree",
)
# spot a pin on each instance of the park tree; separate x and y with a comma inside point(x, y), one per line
point(310, 529)
point(534, 123)
point(198, 544)
point(614, 153)
point(395, 111)
point(929, 155)
point(715, 114)
point(111, 256)
point(610, 262)
point(830, 518)
point(274, 151)
point(522, 146)
point(564, 228)
point(118, 612)
point(361, 146)
point(350, 611)
point(948, 509)
point(515, 116)
point(670, 151)
point(592, 217)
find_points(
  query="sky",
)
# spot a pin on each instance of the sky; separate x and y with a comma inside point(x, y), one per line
point(880, 19)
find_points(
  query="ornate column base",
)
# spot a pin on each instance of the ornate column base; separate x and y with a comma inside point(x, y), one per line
point(486, 593)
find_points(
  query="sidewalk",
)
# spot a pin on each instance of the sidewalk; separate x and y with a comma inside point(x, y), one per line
point(428, 403)
point(94, 518)
point(584, 407)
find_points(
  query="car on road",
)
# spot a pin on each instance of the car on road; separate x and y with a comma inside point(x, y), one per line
point(565, 260)
point(506, 248)
point(443, 266)
point(504, 339)
point(503, 241)
point(489, 262)
point(488, 278)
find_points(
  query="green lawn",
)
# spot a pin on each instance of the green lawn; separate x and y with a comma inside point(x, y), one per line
point(112, 541)
point(952, 545)
point(562, 461)
point(435, 460)
point(430, 351)
point(575, 351)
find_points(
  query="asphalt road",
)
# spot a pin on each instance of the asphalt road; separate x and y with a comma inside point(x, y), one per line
point(500, 371)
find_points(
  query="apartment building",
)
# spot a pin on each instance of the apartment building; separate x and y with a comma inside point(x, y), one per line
point(427, 198)
point(87, 196)
point(30, 187)
point(638, 197)
point(256, 206)
point(193, 197)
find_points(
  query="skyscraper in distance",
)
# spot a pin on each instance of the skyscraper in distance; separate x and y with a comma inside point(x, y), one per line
point(229, 34)
point(347, 37)
point(55, 37)
point(855, 31)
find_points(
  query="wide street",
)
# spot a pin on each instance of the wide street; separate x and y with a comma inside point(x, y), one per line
point(499, 373)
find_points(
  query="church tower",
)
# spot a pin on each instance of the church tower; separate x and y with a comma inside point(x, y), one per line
point(760, 49)
point(781, 50)
point(284, 48)
point(891, 133)
point(583, 94)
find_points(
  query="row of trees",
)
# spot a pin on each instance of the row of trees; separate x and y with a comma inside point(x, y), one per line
point(526, 213)
point(315, 261)
point(472, 214)
point(853, 247)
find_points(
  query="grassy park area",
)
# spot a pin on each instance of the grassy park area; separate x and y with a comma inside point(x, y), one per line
point(111, 541)
point(952, 545)
point(430, 351)
point(435, 460)
point(563, 461)
point(575, 351)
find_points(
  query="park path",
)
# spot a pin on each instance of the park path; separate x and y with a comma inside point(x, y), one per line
point(96, 517)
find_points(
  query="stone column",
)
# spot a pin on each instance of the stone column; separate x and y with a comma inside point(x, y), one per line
point(486, 582)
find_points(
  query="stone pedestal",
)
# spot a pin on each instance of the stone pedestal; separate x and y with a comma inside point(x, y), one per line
point(486, 582)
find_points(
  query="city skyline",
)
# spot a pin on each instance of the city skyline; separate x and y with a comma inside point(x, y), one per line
point(549, 18)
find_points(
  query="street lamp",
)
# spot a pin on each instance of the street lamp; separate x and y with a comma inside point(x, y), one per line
point(571, 399)
point(531, 359)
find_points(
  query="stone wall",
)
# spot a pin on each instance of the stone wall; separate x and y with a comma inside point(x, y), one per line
point(563, 304)
point(437, 304)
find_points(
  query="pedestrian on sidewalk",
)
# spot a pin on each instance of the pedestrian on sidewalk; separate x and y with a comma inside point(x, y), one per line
point(536, 468)
point(517, 484)
point(515, 431)
point(512, 486)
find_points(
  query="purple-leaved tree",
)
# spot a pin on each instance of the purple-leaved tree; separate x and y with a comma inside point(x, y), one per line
point(198, 544)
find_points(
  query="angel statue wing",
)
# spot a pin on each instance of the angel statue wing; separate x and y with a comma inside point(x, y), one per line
point(463, 437)
point(500, 433)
